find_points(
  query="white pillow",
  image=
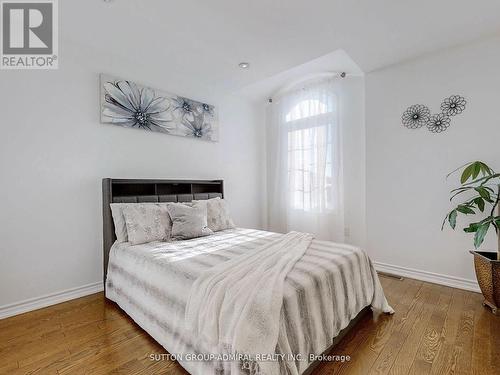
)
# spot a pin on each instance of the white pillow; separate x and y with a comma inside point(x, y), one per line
point(147, 222)
point(119, 221)
point(189, 222)
point(218, 217)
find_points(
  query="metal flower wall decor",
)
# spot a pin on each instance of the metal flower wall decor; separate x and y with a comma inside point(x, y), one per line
point(131, 105)
point(438, 123)
point(418, 115)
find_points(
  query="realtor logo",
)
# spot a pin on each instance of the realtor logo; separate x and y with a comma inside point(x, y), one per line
point(29, 35)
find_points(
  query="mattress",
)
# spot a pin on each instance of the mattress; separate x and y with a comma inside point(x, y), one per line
point(324, 291)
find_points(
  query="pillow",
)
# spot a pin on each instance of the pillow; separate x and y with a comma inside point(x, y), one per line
point(147, 222)
point(119, 221)
point(188, 222)
point(218, 217)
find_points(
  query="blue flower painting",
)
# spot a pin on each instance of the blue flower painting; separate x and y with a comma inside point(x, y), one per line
point(131, 105)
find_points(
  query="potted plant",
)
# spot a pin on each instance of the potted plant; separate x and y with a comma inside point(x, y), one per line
point(481, 185)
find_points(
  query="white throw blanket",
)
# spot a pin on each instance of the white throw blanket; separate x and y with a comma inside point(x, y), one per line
point(237, 304)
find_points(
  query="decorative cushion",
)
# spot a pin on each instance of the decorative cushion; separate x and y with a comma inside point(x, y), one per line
point(218, 217)
point(147, 222)
point(189, 222)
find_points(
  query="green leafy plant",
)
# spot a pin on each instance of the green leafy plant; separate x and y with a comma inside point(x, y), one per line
point(481, 185)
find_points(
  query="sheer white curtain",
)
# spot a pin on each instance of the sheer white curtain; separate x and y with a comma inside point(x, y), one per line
point(305, 161)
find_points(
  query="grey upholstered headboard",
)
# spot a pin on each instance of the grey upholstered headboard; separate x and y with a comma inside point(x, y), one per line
point(138, 191)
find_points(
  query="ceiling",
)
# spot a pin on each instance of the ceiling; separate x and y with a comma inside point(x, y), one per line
point(203, 41)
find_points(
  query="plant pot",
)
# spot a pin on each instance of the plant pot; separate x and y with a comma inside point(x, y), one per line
point(488, 276)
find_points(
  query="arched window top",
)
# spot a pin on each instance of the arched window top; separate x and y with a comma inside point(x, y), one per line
point(307, 108)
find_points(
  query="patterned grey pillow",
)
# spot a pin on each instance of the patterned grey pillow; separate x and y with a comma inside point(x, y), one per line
point(218, 217)
point(188, 222)
point(119, 218)
point(147, 222)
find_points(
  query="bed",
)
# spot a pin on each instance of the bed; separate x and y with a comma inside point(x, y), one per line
point(326, 292)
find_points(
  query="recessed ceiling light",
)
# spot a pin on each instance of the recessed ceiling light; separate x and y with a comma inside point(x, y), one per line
point(244, 65)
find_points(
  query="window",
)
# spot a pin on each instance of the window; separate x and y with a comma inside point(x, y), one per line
point(305, 158)
point(306, 108)
point(310, 148)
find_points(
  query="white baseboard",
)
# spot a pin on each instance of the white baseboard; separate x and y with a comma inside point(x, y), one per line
point(431, 277)
point(49, 299)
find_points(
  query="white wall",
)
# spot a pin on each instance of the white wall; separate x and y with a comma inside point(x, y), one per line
point(407, 194)
point(54, 153)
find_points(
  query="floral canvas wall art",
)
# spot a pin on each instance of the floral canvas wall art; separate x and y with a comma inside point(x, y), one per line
point(128, 104)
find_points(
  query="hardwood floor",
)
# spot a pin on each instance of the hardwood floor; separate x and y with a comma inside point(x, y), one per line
point(436, 330)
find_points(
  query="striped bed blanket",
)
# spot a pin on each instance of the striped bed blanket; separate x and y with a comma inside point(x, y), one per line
point(324, 290)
